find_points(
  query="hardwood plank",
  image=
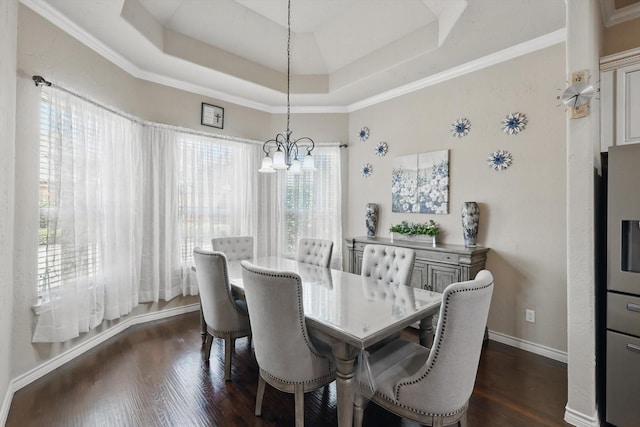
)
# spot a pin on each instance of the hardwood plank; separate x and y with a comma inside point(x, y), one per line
point(154, 375)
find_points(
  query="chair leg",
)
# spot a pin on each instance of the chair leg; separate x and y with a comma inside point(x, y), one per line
point(229, 343)
point(463, 420)
point(207, 347)
point(259, 395)
point(298, 389)
point(203, 326)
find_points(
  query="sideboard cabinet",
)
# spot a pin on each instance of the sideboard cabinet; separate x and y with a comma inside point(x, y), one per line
point(435, 268)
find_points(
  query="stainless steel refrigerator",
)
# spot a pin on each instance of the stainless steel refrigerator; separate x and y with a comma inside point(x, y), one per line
point(623, 287)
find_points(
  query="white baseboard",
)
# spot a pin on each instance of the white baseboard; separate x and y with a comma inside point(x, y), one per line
point(56, 362)
point(6, 404)
point(529, 346)
point(579, 419)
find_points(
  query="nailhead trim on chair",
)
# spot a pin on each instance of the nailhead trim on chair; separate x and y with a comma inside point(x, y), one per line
point(433, 362)
point(311, 381)
point(301, 320)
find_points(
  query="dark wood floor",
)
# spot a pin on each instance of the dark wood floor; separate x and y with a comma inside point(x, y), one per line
point(153, 375)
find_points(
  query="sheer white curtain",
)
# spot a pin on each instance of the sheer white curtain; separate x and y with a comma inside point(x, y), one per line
point(216, 179)
point(89, 244)
point(311, 204)
point(161, 270)
point(123, 203)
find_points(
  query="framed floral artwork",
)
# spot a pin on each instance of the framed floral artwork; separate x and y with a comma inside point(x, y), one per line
point(420, 183)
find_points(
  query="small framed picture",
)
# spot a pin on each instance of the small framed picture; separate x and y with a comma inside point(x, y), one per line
point(212, 115)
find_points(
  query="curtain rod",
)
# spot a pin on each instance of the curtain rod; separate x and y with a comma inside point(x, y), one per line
point(40, 81)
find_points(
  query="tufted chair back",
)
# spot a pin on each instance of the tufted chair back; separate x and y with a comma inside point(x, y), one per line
point(235, 248)
point(314, 251)
point(287, 357)
point(388, 264)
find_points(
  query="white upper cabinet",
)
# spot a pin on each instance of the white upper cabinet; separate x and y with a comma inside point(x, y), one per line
point(628, 105)
point(620, 99)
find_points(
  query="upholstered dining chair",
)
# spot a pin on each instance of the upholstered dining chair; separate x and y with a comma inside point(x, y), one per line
point(235, 248)
point(288, 358)
point(433, 386)
point(388, 264)
point(314, 251)
point(224, 316)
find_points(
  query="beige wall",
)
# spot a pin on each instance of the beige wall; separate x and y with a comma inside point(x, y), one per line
point(621, 37)
point(8, 30)
point(523, 212)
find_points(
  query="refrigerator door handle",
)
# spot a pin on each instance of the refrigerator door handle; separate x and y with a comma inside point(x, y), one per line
point(633, 347)
point(633, 307)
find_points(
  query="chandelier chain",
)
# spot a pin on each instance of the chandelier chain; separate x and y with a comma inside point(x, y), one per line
point(288, 64)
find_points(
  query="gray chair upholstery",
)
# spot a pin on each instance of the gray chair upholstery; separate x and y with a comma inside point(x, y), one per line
point(288, 358)
point(224, 316)
point(387, 267)
point(314, 251)
point(388, 264)
point(433, 387)
point(235, 248)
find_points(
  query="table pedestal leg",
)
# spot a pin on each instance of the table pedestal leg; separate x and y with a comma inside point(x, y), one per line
point(426, 331)
point(345, 356)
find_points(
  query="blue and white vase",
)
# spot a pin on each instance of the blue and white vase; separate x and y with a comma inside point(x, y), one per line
point(470, 221)
point(371, 219)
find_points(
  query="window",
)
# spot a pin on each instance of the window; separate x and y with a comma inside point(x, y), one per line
point(312, 205)
point(124, 202)
point(58, 258)
point(215, 190)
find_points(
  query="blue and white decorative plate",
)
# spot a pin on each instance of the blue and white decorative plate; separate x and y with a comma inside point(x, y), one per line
point(500, 160)
point(367, 170)
point(363, 134)
point(514, 123)
point(460, 128)
point(382, 148)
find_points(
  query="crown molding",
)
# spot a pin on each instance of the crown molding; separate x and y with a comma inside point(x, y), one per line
point(55, 17)
point(556, 37)
point(612, 16)
point(621, 59)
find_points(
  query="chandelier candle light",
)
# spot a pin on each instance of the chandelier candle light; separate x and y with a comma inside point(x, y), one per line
point(286, 149)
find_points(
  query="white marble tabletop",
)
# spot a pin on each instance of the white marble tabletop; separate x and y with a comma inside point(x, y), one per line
point(352, 307)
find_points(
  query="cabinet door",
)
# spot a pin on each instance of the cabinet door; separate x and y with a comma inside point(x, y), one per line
point(441, 276)
point(358, 262)
point(628, 105)
point(420, 275)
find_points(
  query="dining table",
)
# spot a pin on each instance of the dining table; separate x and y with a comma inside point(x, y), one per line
point(351, 313)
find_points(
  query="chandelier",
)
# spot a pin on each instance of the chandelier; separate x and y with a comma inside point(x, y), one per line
point(287, 150)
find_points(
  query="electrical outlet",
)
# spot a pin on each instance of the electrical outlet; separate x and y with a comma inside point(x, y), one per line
point(530, 316)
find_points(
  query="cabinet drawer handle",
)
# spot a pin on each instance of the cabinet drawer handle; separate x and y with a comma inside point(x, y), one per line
point(633, 307)
point(633, 347)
